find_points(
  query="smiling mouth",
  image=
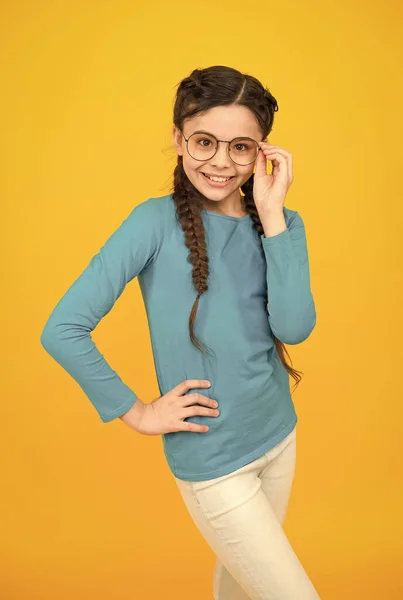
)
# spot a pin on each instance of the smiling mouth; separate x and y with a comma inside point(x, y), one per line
point(219, 177)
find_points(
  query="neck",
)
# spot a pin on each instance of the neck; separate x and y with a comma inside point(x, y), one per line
point(227, 206)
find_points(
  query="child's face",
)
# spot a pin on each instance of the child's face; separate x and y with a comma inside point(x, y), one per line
point(225, 123)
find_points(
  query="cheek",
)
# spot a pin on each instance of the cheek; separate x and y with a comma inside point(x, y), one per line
point(245, 175)
point(191, 171)
point(190, 166)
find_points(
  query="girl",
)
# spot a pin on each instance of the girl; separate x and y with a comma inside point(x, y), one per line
point(232, 269)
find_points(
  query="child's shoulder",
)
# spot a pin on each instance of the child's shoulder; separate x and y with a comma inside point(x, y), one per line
point(157, 204)
point(154, 207)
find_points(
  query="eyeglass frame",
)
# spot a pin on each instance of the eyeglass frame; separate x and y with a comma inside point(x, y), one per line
point(218, 141)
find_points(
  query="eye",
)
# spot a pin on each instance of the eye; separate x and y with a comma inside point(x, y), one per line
point(246, 146)
point(204, 140)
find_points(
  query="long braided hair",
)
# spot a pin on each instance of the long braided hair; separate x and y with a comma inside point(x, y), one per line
point(201, 90)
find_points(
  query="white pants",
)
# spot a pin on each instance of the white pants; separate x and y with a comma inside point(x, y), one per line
point(240, 515)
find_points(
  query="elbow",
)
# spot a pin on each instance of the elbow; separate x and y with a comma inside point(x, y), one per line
point(297, 336)
point(52, 335)
point(295, 330)
point(47, 339)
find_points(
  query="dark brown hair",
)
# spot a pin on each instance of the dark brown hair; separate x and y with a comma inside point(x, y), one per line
point(201, 90)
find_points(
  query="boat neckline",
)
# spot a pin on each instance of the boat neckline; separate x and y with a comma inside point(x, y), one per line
point(223, 216)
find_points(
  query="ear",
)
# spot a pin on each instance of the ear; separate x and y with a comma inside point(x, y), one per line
point(177, 139)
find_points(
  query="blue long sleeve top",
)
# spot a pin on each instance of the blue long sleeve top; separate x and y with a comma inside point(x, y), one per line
point(248, 379)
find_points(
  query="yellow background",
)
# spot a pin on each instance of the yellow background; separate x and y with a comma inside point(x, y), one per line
point(90, 510)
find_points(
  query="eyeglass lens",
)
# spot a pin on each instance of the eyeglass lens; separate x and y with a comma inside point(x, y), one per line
point(203, 146)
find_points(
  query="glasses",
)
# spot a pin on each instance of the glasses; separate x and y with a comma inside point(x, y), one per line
point(203, 146)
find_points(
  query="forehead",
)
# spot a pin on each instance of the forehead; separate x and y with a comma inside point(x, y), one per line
point(226, 122)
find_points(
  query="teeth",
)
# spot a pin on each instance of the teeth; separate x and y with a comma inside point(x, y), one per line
point(218, 179)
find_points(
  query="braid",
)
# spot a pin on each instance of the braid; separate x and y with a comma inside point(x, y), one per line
point(188, 202)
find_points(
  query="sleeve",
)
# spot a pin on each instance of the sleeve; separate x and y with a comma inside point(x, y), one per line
point(291, 308)
point(67, 333)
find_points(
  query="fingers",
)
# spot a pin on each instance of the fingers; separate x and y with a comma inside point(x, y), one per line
point(196, 410)
point(199, 399)
point(279, 155)
point(189, 425)
point(197, 405)
point(188, 384)
point(193, 401)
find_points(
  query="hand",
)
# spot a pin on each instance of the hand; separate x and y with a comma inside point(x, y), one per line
point(166, 413)
point(270, 190)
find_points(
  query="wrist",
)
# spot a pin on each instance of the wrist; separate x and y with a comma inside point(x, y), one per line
point(134, 415)
point(273, 222)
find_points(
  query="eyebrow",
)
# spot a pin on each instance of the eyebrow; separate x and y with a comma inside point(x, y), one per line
point(235, 138)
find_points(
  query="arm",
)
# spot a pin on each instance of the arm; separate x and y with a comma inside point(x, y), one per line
point(67, 332)
point(292, 315)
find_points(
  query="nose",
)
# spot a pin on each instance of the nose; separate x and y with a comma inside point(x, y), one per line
point(221, 157)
